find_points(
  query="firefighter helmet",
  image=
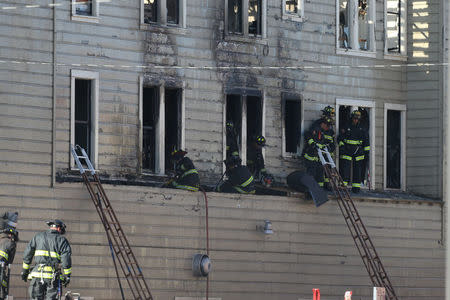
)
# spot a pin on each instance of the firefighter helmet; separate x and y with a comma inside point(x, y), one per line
point(329, 111)
point(356, 114)
point(57, 223)
point(233, 161)
point(177, 154)
point(260, 140)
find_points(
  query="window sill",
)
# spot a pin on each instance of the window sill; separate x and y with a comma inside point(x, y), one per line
point(87, 19)
point(360, 53)
point(245, 39)
point(156, 27)
point(398, 57)
point(290, 156)
point(293, 18)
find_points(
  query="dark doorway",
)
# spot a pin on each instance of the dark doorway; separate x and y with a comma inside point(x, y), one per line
point(83, 122)
point(292, 124)
point(234, 115)
point(393, 149)
point(150, 114)
point(254, 117)
point(172, 124)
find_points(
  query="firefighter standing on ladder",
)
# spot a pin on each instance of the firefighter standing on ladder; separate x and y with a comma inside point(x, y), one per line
point(354, 148)
point(8, 238)
point(51, 252)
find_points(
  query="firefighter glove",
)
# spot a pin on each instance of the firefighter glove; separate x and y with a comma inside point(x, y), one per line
point(66, 280)
point(24, 274)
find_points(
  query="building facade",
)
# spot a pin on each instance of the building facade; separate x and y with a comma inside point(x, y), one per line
point(132, 80)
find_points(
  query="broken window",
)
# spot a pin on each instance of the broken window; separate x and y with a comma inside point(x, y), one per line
point(393, 149)
point(173, 11)
point(172, 124)
point(150, 11)
point(254, 17)
point(83, 114)
point(235, 16)
point(292, 117)
point(150, 109)
point(356, 24)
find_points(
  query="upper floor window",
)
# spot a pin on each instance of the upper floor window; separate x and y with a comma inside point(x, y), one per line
point(85, 10)
point(291, 124)
point(356, 25)
point(395, 27)
point(293, 9)
point(245, 17)
point(168, 12)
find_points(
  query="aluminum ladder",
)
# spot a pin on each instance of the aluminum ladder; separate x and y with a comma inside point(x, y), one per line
point(363, 243)
point(116, 236)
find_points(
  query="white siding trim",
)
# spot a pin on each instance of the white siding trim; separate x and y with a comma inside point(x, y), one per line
point(160, 133)
point(183, 121)
point(362, 103)
point(140, 122)
point(243, 148)
point(94, 76)
point(402, 109)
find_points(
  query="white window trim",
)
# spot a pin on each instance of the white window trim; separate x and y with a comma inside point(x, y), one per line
point(353, 43)
point(361, 103)
point(89, 19)
point(162, 15)
point(402, 109)
point(299, 16)
point(403, 55)
point(285, 154)
point(245, 21)
point(160, 130)
point(94, 76)
point(243, 146)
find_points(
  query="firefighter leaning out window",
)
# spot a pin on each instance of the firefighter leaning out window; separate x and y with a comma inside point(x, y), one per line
point(53, 264)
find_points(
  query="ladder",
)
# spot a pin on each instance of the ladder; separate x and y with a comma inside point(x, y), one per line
point(116, 236)
point(363, 243)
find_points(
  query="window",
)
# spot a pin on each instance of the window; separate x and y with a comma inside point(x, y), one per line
point(292, 124)
point(245, 17)
point(356, 25)
point(293, 9)
point(162, 130)
point(395, 27)
point(85, 10)
point(245, 110)
point(84, 112)
point(394, 146)
point(168, 12)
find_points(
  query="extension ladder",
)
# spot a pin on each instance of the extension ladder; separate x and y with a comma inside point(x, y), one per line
point(114, 232)
point(363, 243)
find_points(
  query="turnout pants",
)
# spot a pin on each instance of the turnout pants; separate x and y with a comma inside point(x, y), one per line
point(315, 169)
point(345, 166)
point(47, 290)
point(3, 281)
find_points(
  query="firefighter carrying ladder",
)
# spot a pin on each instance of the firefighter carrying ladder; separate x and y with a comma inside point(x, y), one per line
point(114, 232)
point(363, 243)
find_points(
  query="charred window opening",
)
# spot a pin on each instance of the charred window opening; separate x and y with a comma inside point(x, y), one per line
point(235, 16)
point(150, 119)
point(234, 115)
point(254, 17)
point(173, 11)
point(150, 11)
point(291, 6)
point(254, 117)
point(83, 103)
point(292, 112)
point(172, 124)
point(393, 153)
point(83, 7)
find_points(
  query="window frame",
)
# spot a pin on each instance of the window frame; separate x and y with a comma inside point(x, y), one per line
point(299, 16)
point(402, 109)
point(243, 147)
point(162, 18)
point(87, 75)
point(298, 98)
point(245, 23)
point(159, 130)
point(367, 104)
point(402, 55)
point(94, 18)
point(372, 23)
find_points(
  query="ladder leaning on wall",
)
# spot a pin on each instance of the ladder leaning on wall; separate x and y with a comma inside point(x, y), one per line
point(363, 243)
point(116, 236)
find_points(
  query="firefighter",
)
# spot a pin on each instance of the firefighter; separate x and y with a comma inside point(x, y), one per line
point(232, 140)
point(52, 255)
point(315, 138)
point(240, 180)
point(186, 176)
point(8, 239)
point(354, 148)
point(255, 161)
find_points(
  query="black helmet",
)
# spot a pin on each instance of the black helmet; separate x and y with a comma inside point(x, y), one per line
point(9, 220)
point(233, 161)
point(260, 140)
point(57, 223)
point(329, 111)
point(356, 114)
point(177, 154)
point(13, 232)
